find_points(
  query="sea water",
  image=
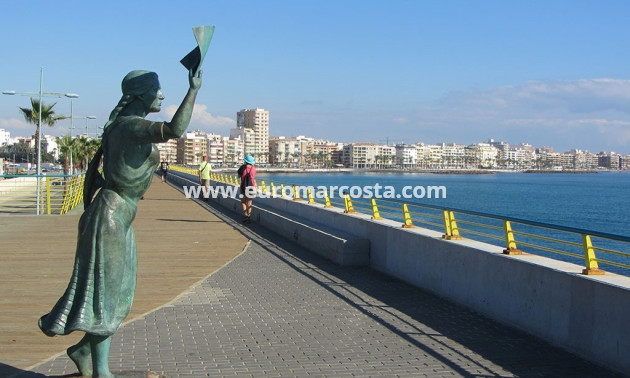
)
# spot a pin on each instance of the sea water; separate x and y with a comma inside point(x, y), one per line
point(592, 201)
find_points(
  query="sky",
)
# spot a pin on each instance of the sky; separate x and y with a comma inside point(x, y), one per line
point(548, 73)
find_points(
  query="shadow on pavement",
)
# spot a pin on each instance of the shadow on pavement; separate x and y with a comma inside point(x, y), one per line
point(452, 331)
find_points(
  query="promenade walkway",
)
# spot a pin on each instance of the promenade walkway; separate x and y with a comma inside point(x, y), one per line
point(273, 310)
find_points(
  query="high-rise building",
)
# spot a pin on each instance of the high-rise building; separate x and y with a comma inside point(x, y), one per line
point(191, 147)
point(258, 121)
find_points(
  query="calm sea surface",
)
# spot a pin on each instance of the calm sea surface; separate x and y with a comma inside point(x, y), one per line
point(596, 201)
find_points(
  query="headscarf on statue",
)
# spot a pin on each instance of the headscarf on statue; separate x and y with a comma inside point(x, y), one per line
point(133, 85)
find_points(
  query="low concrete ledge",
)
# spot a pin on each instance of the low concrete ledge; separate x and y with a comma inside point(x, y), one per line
point(340, 247)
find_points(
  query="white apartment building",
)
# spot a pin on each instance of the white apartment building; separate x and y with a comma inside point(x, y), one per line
point(483, 155)
point(5, 137)
point(368, 155)
point(216, 152)
point(168, 150)
point(286, 151)
point(191, 147)
point(428, 155)
point(453, 155)
point(258, 121)
point(248, 138)
point(233, 151)
point(51, 145)
point(406, 155)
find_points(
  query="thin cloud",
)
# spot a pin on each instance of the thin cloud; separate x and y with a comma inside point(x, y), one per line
point(16, 125)
point(579, 96)
point(201, 117)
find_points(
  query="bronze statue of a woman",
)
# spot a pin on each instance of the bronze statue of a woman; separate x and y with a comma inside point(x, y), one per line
point(103, 282)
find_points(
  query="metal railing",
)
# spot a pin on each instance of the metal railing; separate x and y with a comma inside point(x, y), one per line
point(585, 247)
point(58, 193)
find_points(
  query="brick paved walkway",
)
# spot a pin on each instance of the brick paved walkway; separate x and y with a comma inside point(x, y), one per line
point(278, 310)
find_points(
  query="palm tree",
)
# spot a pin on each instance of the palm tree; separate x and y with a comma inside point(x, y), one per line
point(85, 149)
point(48, 116)
point(66, 147)
point(298, 156)
point(92, 147)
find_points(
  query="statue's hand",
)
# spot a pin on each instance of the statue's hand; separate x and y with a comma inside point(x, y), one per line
point(194, 81)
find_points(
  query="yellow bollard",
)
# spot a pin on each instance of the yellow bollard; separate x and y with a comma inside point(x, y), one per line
point(348, 203)
point(447, 224)
point(48, 195)
point(509, 240)
point(407, 216)
point(589, 256)
point(310, 197)
point(327, 201)
point(282, 190)
point(450, 226)
point(296, 197)
point(264, 187)
point(375, 214)
point(273, 190)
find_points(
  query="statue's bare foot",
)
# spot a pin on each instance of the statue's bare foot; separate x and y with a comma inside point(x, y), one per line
point(81, 358)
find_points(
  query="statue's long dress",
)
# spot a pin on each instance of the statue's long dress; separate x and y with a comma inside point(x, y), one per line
point(103, 282)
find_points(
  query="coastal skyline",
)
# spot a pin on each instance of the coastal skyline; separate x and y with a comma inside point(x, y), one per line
point(548, 74)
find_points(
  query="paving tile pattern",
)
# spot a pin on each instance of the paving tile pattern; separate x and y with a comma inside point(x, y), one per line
point(278, 310)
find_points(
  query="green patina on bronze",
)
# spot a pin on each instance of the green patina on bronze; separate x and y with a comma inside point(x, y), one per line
point(102, 286)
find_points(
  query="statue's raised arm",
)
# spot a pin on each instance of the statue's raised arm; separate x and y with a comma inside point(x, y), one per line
point(181, 119)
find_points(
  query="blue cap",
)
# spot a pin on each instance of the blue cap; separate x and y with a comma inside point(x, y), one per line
point(249, 159)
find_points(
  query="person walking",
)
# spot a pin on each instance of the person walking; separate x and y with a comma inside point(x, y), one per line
point(204, 175)
point(101, 289)
point(247, 174)
point(164, 169)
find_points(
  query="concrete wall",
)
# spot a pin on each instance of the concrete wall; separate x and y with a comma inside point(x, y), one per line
point(588, 315)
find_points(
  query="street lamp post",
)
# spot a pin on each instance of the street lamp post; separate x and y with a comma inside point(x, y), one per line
point(71, 128)
point(39, 122)
point(86, 126)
